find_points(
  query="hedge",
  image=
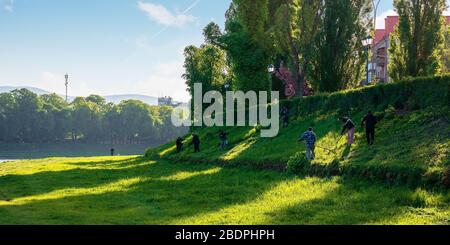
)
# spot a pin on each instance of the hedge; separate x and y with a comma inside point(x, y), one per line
point(413, 93)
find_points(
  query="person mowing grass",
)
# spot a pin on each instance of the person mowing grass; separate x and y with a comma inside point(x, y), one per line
point(349, 128)
point(179, 144)
point(223, 136)
point(310, 140)
point(369, 122)
point(196, 142)
point(285, 116)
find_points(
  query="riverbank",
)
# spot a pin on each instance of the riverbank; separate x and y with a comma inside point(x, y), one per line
point(35, 151)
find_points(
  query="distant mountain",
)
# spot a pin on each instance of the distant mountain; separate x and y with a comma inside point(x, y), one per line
point(38, 91)
point(116, 99)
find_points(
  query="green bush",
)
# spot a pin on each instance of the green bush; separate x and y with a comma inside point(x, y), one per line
point(389, 113)
point(298, 164)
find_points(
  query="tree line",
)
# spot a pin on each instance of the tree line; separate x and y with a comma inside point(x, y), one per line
point(313, 46)
point(26, 117)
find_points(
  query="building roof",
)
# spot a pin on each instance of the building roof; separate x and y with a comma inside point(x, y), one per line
point(390, 23)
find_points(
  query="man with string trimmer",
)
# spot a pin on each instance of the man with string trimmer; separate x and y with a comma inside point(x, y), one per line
point(310, 140)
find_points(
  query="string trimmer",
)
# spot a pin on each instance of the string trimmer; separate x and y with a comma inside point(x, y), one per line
point(331, 150)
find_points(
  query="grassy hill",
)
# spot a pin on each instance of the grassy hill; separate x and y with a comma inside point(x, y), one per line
point(412, 144)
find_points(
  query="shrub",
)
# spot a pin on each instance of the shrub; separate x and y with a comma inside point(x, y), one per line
point(298, 164)
point(389, 113)
point(412, 93)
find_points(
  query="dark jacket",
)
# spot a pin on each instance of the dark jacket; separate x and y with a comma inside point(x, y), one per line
point(369, 121)
point(223, 136)
point(195, 140)
point(348, 125)
point(179, 142)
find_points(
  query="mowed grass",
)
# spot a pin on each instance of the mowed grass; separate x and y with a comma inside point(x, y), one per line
point(133, 190)
point(408, 143)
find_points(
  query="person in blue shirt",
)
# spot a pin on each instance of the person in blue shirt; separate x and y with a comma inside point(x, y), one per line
point(310, 138)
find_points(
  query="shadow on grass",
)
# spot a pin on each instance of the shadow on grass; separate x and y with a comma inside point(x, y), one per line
point(164, 191)
point(83, 175)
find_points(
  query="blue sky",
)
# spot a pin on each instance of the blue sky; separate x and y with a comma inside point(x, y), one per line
point(107, 47)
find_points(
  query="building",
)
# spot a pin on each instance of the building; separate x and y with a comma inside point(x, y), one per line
point(380, 60)
point(167, 101)
point(162, 101)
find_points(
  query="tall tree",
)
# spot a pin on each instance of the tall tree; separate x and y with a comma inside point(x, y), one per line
point(417, 41)
point(205, 65)
point(7, 109)
point(244, 41)
point(445, 54)
point(294, 24)
point(57, 115)
point(339, 57)
point(26, 114)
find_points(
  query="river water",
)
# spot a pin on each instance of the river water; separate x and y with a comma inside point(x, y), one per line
point(35, 151)
point(7, 160)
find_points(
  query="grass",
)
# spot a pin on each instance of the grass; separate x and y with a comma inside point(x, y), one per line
point(411, 147)
point(134, 190)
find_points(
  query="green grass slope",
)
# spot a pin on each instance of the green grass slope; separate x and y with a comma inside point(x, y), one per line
point(135, 190)
point(412, 140)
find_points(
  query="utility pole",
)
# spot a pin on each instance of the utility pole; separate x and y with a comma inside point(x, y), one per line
point(67, 83)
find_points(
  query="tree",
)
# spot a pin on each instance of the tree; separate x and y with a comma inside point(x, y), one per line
point(338, 58)
point(7, 106)
point(445, 54)
point(205, 65)
point(86, 120)
point(97, 99)
point(244, 41)
point(294, 26)
point(28, 118)
point(24, 121)
point(417, 41)
point(55, 117)
point(248, 59)
point(111, 123)
point(138, 121)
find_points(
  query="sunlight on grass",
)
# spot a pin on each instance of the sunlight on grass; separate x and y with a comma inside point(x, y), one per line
point(237, 150)
point(186, 175)
point(117, 186)
point(26, 167)
point(167, 151)
point(260, 211)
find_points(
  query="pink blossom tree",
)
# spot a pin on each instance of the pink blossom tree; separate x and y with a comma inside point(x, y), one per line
point(286, 76)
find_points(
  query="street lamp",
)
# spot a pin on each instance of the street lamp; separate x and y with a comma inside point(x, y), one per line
point(367, 42)
point(67, 83)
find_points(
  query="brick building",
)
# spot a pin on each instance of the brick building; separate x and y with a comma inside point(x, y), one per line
point(380, 59)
